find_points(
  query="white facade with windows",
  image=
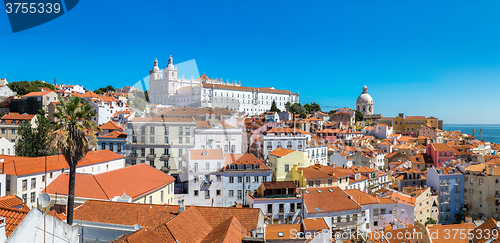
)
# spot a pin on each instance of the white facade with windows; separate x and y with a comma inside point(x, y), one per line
point(317, 152)
point(230, 140)
point(167, 89)
point(106, 109)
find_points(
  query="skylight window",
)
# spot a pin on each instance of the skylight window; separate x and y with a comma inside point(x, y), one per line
point(280, 234)
point(331, 190)
point(319, 191)
point(317, 209)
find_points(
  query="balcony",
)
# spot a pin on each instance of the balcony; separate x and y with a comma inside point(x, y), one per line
point(207, 182)
point(165, 157)
point(269, 147)
point(151, 156)
point(165, 168)
point(133, 155)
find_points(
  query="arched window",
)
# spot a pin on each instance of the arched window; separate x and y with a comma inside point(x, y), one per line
point(369, 108)
point(364, 109)
point(339, 219)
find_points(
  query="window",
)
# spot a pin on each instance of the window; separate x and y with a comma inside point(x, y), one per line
point(25, 198)
point(33, 197)
point(281, 208)
point(103, 146)
point(43, 178)
point(269, 208)
point(161, 196)
point(240, 194)
point(287, 168)
point(382, 211)
point(247, 179)
point(207, 166)
point(292, 207)
point(33, 183)
point(231, 179)
point(207, 194)
point(240, 179)
point(195, 193)
point(256, 179)
point(375, 212)
point(233, 148)
point(375, 223)
point(111, 147)
point(50, 175)
point(231, 193)
point(25, 185)
point(310, 183)
point(180, 140)
point(7, 185)
point(218, 177)
point(13, 131)
point(318, 183)
point(218, 193)
point(119, 147)
point(330, 182)
point(152, 130)
point(226, 149)
point(166, 130)
point(152, 140)
point(180, 130)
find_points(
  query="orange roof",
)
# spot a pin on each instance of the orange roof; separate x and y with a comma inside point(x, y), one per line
point(363, 198)
point(13, 218)
point(319, 200)
point(281, 231)
point(114, 134)
point(90, 94)
point(205, 154)
point(17, 165)
point(479, 234)
point(159, 119)
point(15, 116)
point(315, 224)
point(31, 94)
point(280, 152)
point(442, 147)
point(13, 201)
point(202, 124)
point(134, 181)
point(111, 125)
point(147, 215)
point(244, 159)
point(320, 172)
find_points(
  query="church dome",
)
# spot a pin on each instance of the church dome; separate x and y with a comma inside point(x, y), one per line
point(364, 98)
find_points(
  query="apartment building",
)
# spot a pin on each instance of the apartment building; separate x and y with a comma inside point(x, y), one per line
point(317, 152)
point(482, 191)
point(282, 160)
point(449, 182)
point(215, 134)
point(283, 137)
point(9, 125)
point(160, 142)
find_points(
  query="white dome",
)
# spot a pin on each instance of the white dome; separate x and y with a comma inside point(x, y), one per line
point(364, 99)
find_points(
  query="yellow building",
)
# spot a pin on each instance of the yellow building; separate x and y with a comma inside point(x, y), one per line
point(138, 184)
point(319, 176)
point(282, 161)
point(482, 190)
point(409, 124)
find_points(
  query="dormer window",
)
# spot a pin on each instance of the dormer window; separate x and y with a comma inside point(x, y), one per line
point(249, 167)
point(232, 167)
point(241, 167)
point(257, 167)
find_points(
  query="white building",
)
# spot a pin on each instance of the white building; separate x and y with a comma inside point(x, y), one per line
point(106, 108)
point(215, 134)
point(5, 91)
point(364, 104)
point(242, 174)
point(283, 137)
point(382, 131)
point(167, 89)
point(25, 177)
point(203, 178)
point(7, 147)
point(317, 152)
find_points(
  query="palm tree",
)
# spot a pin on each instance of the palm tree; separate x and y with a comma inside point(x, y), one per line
point(74, 134)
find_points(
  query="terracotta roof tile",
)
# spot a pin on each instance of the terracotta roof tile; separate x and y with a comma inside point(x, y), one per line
point(32, 94)
point(315, 224)
point(281, 231)
point(280, 152)
point(111, 125)
point(145, 235)
point(134, 181)
point(18, 165)
point(182, 227)
point(13, 218)
point(480, 233)
point(229, 231)
point(321, 202)
point(147, 215)
point(13, 201)
point(244, 159)
point(114, 134)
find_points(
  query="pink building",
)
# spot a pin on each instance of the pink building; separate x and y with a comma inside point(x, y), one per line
point(440, 153)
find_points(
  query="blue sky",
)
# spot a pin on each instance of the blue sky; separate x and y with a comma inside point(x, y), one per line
point(439, 58)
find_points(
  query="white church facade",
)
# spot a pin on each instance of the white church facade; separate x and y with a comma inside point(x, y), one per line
point(167, 89)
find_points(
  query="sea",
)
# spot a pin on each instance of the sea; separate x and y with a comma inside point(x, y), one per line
point(491, 132)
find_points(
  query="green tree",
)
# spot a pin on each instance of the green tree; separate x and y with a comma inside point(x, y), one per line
point(146, 95)
point(74, 135)
point(288, 105)
point(297, 108)
point(308, 108)
point(274, 107)
point(430, 221)
point(459, 217)
point(359, 116)
point(104, 89)
point(25, 87)
point(139, 100)
point(303, 115)
point(35, 141)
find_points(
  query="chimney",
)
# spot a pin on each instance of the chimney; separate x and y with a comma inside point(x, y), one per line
point(181, 208)
point(3, 236)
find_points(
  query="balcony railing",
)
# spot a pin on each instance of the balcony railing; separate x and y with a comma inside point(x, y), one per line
point(151, 156)
point(133, 155)
point(165, 156)
point(207, 182)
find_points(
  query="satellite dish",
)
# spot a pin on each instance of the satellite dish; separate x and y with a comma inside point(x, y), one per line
point(137, 227)
point(44, 200)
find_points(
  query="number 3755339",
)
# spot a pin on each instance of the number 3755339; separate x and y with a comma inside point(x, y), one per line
point(27, 8)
